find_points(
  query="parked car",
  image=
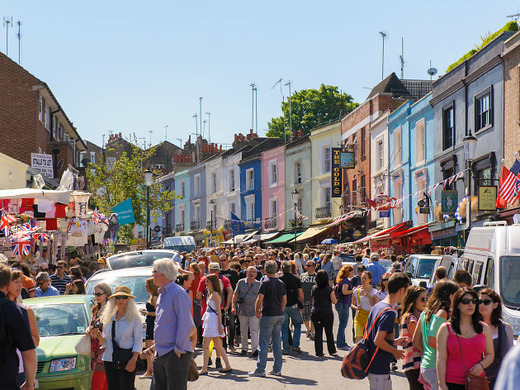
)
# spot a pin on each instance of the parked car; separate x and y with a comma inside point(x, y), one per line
point(144, 258)
point(180, 243)
point(346, 258)
point(420, 268)
point(133, 278)
point(62, 320)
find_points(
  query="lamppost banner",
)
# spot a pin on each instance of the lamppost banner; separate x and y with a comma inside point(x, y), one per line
point(125, 212)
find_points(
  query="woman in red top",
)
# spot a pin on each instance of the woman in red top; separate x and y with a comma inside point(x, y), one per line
point(464, 343)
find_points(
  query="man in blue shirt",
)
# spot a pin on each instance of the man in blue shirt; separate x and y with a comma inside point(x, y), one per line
point(376, 269)
point(44, 288)
point(173, 327)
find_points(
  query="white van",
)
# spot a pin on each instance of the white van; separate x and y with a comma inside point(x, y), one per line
point(180, 243)
point(420, 268)
point(492, 257)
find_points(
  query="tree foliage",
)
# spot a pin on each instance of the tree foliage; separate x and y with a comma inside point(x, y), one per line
point(111, 185)
point(310, 109)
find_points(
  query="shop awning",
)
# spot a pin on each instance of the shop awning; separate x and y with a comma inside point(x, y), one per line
point(266, 236)
point(283, 238)
point(385, 234)
point(311, 232)
point(411, 231)
point(50, 195)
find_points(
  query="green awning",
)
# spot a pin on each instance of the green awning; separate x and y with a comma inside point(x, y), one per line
point(283, 238)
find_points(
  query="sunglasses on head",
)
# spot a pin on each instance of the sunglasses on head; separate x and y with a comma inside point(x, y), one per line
point(121, 297)
point(485, 301)
point(99, 294)
point(467, 301)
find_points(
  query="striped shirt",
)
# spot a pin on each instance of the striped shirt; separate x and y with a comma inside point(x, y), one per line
point(60, 284)
point(412, 356)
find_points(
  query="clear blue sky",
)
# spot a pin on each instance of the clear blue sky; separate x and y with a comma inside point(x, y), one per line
point(134, 66)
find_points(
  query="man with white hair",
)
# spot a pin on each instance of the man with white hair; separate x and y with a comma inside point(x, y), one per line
point(173, 325)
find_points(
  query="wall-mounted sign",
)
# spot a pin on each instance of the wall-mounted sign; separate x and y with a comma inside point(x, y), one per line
point(336, 173)
point(487, 196)
point(347, 160)
point(42, 163)
point(450, 201)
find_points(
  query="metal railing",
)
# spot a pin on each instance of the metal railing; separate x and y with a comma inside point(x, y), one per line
point(271, 223)
point(179, 227)
point(195, 225)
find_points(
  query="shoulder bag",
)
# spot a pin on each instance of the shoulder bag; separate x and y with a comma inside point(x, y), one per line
point(356, 362)
point(120, 356)
point(472, 382)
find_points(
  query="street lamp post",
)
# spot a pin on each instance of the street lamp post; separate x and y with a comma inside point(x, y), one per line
point(295, 196)
point(148, 180)
point(470, 145)
point(212, 203)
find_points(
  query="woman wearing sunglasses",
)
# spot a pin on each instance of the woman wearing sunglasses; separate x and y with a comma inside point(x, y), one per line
point(464, 343)
point(490, 307)
point(414, 304)
point(122, 339)
point(99, 380)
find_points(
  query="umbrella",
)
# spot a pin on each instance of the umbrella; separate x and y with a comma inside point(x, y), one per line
point(329, 241)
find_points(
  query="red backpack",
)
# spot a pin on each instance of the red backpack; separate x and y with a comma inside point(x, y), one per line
point(355, 363)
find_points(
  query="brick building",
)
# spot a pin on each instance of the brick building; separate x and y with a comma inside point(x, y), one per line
point(33, 121)
point(355, 135)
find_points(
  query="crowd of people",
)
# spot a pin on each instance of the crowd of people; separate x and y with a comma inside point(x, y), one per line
point(252, 301)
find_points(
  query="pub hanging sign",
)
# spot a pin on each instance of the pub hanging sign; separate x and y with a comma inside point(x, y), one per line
point(336, 173)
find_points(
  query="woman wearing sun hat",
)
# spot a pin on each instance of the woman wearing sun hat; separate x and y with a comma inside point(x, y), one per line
point(122, 323)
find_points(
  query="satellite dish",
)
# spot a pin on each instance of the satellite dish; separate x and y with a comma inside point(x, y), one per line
point(432, 71)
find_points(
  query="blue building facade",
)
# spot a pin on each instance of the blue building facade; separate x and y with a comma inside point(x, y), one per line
point(197, 184)
point(251, 192)
point(411, 165)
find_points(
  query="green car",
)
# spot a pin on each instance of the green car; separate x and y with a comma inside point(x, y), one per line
point(62, 321)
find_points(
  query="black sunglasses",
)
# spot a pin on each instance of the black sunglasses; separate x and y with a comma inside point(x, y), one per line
point(467, 301)
point(424, 299)
point(485, 302)
point(99, 294)
point(121, 297)
point(384, 280)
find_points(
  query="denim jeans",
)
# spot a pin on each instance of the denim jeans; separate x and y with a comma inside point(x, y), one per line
point(294, 314)
point(343, 314)
point(270, 329)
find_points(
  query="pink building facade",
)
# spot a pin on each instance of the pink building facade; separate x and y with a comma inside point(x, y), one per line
point(273, 189)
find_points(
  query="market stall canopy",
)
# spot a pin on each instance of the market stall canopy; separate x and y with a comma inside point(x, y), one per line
point(311, 232)
point(283, 238)
point(383, 234)
point(240, 238)
point(265, 236)
point(62, 197)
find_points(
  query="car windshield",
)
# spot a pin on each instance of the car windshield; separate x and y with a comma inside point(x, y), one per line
point(137, 259)
point(510, 280)
point(60, 320)
point(135, 283)
point(425, 268)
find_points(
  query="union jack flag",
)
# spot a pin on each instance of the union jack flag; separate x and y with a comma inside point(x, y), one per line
point(43, 237)
point(4, 224)
point(97, 217)
point(22, 246)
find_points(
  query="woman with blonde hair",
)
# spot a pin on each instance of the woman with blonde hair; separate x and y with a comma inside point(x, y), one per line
point(364, 299)
point(149, 313)
point(122, 339)
point(213, 329)
point(343, 291)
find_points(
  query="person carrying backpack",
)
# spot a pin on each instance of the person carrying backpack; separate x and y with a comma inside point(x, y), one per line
point(15, 332)
point(381, 343)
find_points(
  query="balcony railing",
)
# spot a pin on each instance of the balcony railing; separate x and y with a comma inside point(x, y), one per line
point(323, 212)
point(179, 227)
point(208, 225)
point(228, 224)
point(299, 222)
point(195, 225)
point(271, 223)
point(253, 225)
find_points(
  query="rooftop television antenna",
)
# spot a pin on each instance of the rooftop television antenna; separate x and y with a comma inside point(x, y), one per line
point(8, 22)
point(19, 42)
point(383, 35)
point(283, 101)
point(431, 71)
